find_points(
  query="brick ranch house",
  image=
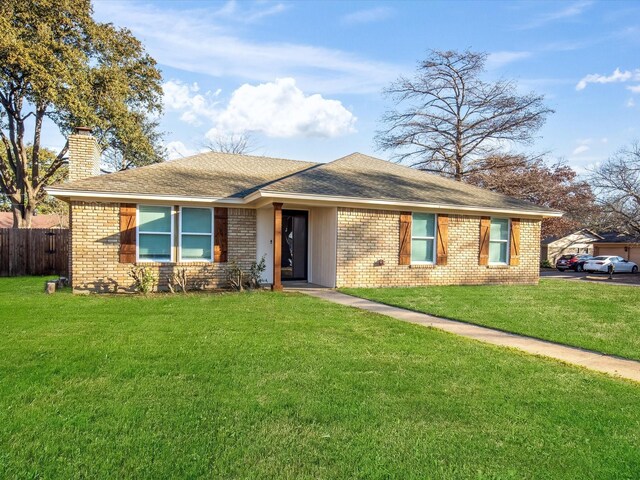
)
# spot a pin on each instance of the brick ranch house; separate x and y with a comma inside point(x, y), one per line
point(354, 222)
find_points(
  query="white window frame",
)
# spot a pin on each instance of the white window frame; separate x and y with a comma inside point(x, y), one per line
point(507, 241)
point(434, 238)
point(153, 260)
point(180, 232)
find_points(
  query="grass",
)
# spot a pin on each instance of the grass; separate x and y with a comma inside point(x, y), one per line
point(605, 318)
point(268, 385)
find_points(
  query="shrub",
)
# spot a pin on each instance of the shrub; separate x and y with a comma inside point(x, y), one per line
point(237, 279)
point(143, 279)
point(546, 264)
point(177, 281)
point(256, 271)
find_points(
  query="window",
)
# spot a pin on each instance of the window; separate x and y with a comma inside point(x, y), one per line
point(155, 233)
point(423, 238)
point(499, 240)
point(196, 234)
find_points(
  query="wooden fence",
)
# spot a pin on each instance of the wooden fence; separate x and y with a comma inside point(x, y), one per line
point(34, 251)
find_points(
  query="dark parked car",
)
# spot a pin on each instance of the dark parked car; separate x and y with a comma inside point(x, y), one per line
point(572, 261)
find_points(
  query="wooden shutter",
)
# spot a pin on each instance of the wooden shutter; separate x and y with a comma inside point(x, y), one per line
point(514, 251)
point(485, 231)
point(404, 257)
point(127, 233)
point(220, 235)
point(442, 244)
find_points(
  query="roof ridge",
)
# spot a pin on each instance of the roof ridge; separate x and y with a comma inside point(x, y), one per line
point(293, 174)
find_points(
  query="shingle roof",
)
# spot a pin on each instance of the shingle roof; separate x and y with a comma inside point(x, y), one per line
point(618, 237)
point(37, 221)
point(362, 176)
point(205, 175)
point(356, 176)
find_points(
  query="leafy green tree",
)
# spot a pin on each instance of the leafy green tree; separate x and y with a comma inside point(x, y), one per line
point(61, 69)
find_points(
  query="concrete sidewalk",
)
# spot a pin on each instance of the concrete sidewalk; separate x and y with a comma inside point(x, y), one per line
point(628, 369)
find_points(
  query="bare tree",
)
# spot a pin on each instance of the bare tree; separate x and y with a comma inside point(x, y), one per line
point(447, 120)
point(617, 185)
point(241, 144)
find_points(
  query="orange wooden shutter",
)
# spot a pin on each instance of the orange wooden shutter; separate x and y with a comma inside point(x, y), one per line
point(127, 233)
point(485, 231)
point(442, 245)
point(220, 234)
point(404, 257)
point(514, 253)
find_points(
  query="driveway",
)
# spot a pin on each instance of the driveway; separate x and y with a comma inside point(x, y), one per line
point(618, 278)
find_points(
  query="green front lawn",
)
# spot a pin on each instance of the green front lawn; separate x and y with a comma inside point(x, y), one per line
point(268, 385)
point(605, 318)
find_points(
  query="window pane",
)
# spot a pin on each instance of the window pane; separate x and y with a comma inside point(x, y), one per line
point(196, 220)
point(196, 247)
point(154, 219)
point(423, 225)
point(154, 247)
point(499, 229)
point(422, 250)
point(498, 252)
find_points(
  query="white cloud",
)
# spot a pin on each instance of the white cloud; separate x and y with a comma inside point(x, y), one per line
point(369, 15)
point(580, 149)
point(206, 41)
point(631, 102)
point(177, 149)
point(184, 97)
point(256, 11)
point(634, 88)
point(571, 10)
point(617, 76)
point(281, 109)
point(499, 59)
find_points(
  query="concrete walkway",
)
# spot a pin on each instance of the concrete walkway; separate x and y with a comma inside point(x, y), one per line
point(599, 362)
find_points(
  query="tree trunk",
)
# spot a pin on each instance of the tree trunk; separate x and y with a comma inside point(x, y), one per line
point(22, 216)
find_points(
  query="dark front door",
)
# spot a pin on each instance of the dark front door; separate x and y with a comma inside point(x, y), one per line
point(294, 245)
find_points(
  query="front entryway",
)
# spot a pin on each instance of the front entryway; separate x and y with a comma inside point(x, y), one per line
point(294, 244)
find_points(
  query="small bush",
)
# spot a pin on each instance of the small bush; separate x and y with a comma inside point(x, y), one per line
point(237, 279)
point(256, 271)
point(177, 281)
point(546, 264)
point(143, 279)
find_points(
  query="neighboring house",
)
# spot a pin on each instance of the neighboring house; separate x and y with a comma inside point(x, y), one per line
point(619, 244)
point(577, 242)
point(356, 221)
point(37, 221)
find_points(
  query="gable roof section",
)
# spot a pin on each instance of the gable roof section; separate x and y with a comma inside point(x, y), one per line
point(364, 177)
point(587, 236)
point(243, 179)
point(209, 175)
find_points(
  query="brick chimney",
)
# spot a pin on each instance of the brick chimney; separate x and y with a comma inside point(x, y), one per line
point(84, 154)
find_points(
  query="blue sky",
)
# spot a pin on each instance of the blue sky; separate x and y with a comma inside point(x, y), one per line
point(306, 77)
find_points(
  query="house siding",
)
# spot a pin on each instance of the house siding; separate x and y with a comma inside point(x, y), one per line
point(369, 241)
point(95, 245)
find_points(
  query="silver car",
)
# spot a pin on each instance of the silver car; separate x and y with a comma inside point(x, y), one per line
point(604, 263)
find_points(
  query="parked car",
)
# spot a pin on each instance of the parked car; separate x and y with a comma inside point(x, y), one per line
point(572, 261)
point(605, 263)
